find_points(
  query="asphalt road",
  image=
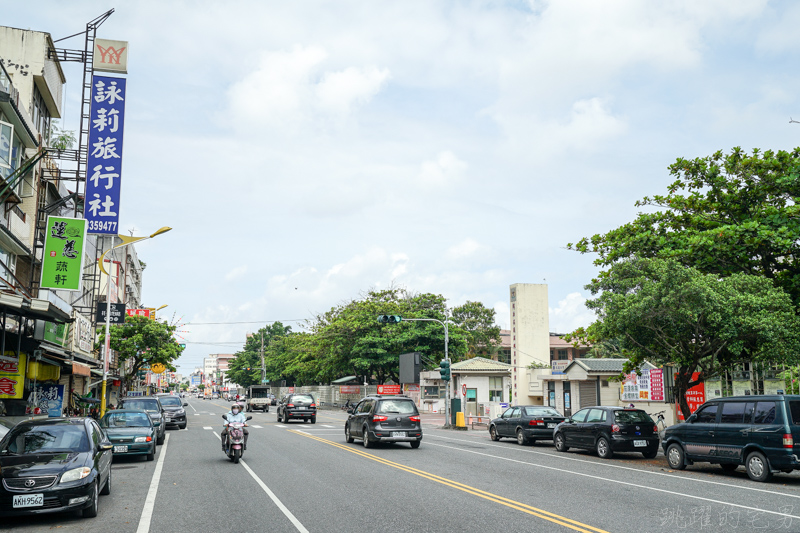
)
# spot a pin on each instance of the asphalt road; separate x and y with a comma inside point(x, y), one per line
point(304, 477)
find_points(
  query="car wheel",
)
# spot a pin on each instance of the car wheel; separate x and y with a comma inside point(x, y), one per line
point(366, 442)
point(160, 440)
point(152, 454)
point(285, 418)
point(91, 511)
point(675, 457)
point(558, 442)
point(266, 409)
point(757, 467)
point(415, 443)
point(522, 440)
point(107, 487)
point(493, 433)
point(729, 467)
point(313, 419)
point(183, 426)
point(347, 436)
point(650, 455)
point(603, 448)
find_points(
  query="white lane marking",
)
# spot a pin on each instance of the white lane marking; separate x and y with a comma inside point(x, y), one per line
point(293, 519)
point(259, 427)
point(280, 426)
point(150, 500)
point(197, 414)
point(326, 426)
point(207, 427)
point(192, 406)
point(611, 480)
point(610, 465)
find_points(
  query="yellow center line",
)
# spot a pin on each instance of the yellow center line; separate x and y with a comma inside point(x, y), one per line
point(546, 515)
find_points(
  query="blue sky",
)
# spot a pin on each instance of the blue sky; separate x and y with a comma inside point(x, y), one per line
point(305, 152)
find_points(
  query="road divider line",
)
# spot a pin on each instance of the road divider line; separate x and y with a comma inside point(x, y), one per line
point(150, 500)
point(207, 427)
point(525, 508)
point(620, 482)
point(285, 510)
point(192, 406)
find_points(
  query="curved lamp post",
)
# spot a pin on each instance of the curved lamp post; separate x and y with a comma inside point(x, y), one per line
point(126, 240)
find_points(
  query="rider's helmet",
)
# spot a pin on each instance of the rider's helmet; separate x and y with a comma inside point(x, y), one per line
point(238, 406)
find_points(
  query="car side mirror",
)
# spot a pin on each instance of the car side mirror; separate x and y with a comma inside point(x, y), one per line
point(105, 447)
point(249, 418)
point(225, 417)
point(185, 404)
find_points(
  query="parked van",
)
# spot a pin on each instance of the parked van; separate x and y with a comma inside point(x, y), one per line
point(760, 432)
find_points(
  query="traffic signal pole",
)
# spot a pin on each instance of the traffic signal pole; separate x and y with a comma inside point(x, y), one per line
point(446, 357)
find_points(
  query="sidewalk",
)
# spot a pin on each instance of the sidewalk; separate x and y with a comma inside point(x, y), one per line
point(438, 420)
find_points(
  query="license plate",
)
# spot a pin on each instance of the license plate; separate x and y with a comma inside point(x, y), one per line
point(120, 449)
point(28, 500)
point(301, 408)
point(398, 433)
point(640, 443)
point(551, 425)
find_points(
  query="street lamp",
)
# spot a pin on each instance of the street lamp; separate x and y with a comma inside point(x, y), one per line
point(126, 240)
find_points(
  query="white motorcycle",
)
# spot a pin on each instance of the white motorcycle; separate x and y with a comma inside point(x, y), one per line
point(233, 442)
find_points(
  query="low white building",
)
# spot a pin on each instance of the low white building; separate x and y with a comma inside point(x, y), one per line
point(481, 384)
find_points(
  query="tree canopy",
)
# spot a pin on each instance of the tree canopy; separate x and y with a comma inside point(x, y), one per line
point(250, 356)
point(669, 314)
point(142, 341)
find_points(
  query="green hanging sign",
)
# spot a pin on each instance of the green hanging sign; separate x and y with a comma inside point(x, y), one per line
point(62, 263)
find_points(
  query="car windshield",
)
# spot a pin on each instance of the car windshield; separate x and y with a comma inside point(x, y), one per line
point(631, 417)
point(403, 407)
point(125, 420)
point(302, 398)
point(46, 439)
point(170, 401)
point(146, 405)
point(541, 411)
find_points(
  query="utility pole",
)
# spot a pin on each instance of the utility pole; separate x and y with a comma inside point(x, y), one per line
point(263, 369)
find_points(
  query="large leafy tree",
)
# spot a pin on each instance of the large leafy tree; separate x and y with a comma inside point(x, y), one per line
point(478, 323)
point(669, 314)
point(142, 341)
point(723, 214)
point(250, 356)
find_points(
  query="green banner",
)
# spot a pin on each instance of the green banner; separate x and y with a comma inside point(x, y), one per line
point(63, 253)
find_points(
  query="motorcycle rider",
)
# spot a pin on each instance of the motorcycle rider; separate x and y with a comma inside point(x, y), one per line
point(235, 415)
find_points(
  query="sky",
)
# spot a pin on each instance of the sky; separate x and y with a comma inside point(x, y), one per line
point(307, 152)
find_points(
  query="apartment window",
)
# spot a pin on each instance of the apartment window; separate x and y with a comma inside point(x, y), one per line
point(563, 355)
point(495, 388)
point(6, 140)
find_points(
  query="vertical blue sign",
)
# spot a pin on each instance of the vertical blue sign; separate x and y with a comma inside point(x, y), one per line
point(104, 168)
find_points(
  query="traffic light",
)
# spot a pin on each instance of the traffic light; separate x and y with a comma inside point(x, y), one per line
point(444, 369)
point(389, 319)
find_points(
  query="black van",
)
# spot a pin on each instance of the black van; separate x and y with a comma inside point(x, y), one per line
point(760, 432)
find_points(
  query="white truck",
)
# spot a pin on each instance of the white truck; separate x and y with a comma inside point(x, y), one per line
point(258, 398)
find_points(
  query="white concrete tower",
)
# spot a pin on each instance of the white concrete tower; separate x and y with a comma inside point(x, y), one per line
point(530, 340)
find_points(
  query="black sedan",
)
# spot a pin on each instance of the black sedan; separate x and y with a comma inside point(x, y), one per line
point(54, 465)
point(131, 432)
point(607, 430)
point(526, 423)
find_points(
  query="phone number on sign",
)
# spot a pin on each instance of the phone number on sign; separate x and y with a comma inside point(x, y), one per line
point(108, 227)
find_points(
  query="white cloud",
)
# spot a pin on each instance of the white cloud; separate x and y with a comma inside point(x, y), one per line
point(337, 92)
point(464, 249)
point(570, 314)
point(443, 171)
point(236, 273)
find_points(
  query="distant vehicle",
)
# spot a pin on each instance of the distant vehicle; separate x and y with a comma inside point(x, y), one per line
point(153, 408)
point(300, 406)
point(131, 431)
point(215, 396)
point(384, 419)
point(607, 430)
point(758, 432)
point(258, 398)
point(54, 465)
point(174, 412)
point(526, 423)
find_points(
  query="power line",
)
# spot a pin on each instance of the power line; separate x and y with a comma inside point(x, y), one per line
point(246, 322)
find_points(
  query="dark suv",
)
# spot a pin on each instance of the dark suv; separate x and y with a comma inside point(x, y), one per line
point(153, 406)
point(300, 406)
point(174, 412)
point(607, 430)
point(384, 419)
point(760, 432)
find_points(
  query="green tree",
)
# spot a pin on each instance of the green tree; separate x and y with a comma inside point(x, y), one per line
point(141, 341)
point(668, 314)
point(250, 355)
point(184, 386)
point(201, 387)
point(722, 214)
point(478, 323)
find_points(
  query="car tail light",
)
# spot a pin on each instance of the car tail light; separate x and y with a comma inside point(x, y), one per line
point(289, 405)
point(380, 418)
point(414, 418)
point(535, 422)
point(788, 441)
point(313, 405)
point(655, 429)
point(615, 428)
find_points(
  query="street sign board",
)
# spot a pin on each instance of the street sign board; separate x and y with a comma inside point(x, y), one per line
point(110, 56)
point(62, 262)
point(117, 313)
point(104, 167)
point(390, 389)
point(139, 312)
